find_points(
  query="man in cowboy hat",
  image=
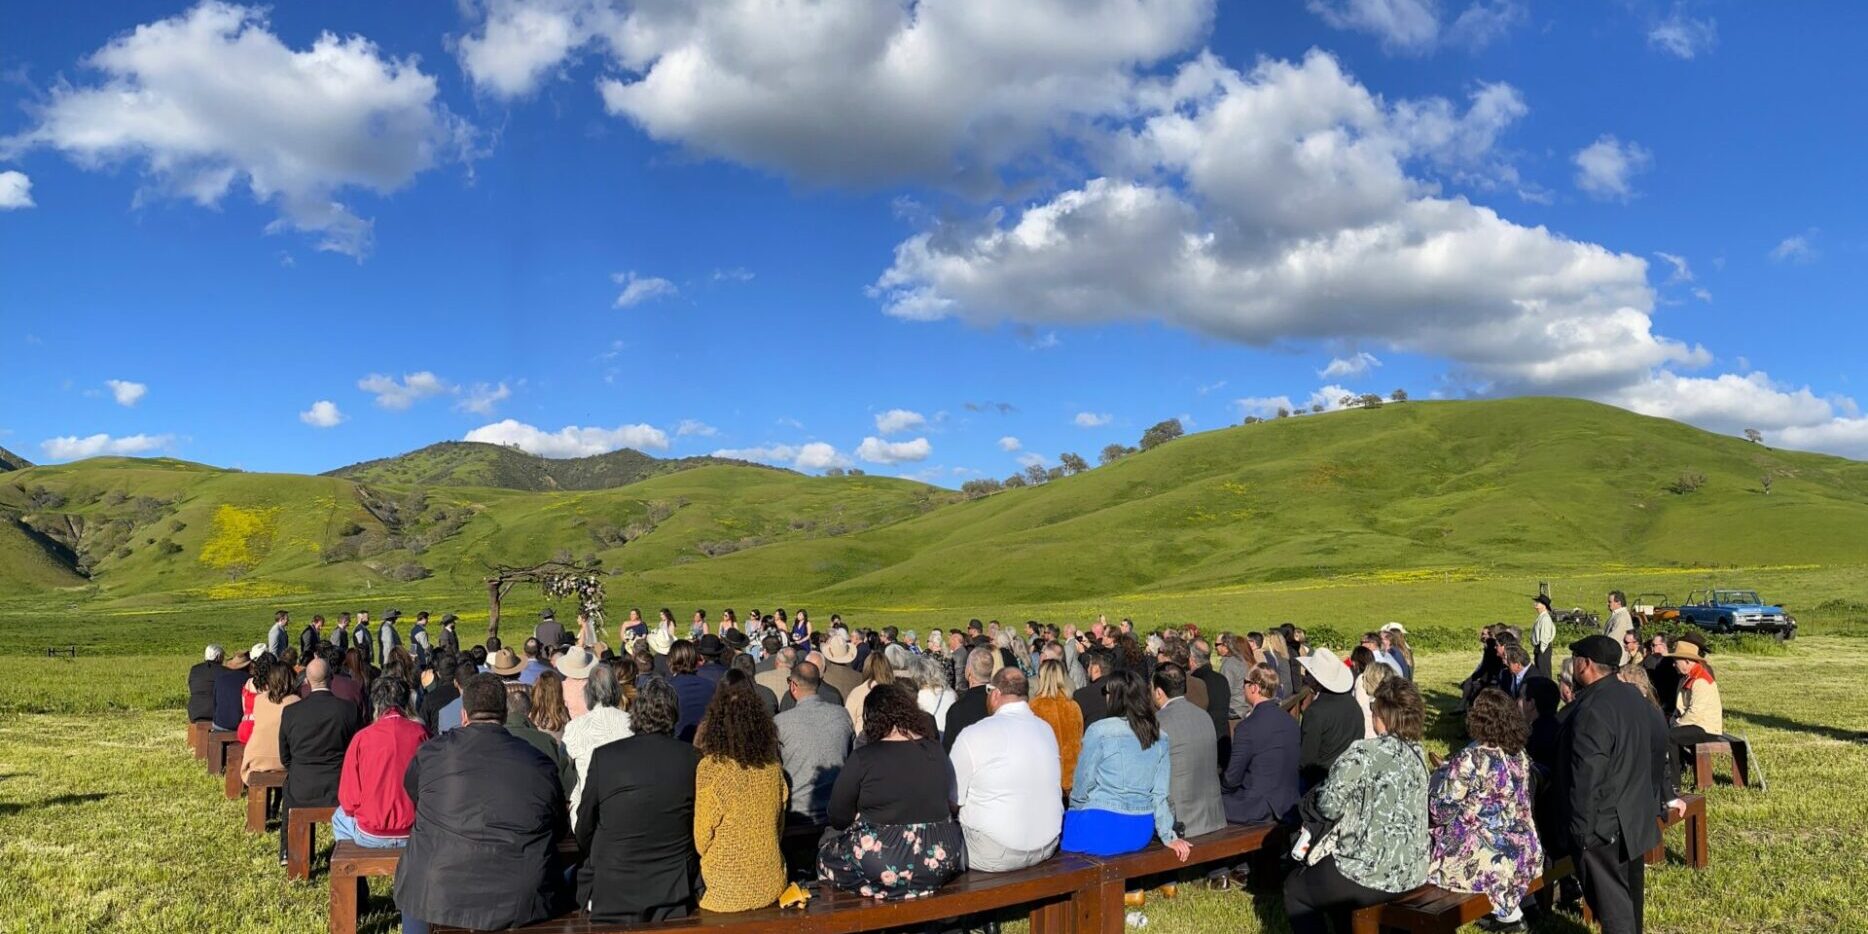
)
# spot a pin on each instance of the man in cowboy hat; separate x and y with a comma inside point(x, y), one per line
point(506, 663)
point(1333, 719)
point(1543, 633)
point(450, 641)
point(549, 630)
point(840, 659)
point(228, 706)
point(710, 648)
point(575, 665)
point(386, 636)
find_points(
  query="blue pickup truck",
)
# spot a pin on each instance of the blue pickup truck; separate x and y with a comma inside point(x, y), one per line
point(1729, 611)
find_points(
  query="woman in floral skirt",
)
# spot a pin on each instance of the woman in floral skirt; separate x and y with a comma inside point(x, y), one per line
point(892, 835)
point(1479, 807)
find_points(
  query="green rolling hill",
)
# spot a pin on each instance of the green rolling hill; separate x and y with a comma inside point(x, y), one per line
point(1422, 488)
point(469, 463)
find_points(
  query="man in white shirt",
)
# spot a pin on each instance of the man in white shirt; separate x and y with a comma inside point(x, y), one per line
point(1007, 781)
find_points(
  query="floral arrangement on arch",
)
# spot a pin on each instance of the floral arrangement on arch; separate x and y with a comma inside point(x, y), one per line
point(586, 588)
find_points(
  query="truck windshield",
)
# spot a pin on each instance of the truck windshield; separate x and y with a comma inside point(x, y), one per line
point(1737, 597)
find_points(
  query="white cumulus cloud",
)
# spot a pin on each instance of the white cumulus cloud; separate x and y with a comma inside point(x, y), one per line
point(1606, 168)
point(482, 397)
point(1683, 36)
point(211, 99)
point(72, 447)
point(322, 414)
point(1796, 249)
point(1356, 365)
point(639, 289)
point(896, 421)
point(690, 427)
point(399, 395)
point(571, 440)
point(1416, 27)
point(815, 455)
point(15, 191)
point(1091, 419)
point(1009, 444)
point(877, 451)
point(126, 392)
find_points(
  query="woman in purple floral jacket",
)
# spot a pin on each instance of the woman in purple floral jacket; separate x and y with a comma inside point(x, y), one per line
point(1479, 809)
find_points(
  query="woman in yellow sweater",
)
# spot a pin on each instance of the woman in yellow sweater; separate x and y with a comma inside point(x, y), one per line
point(739, 800)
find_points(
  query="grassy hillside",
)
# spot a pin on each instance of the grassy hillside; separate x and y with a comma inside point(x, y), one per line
point(468, 463)
point(12, 461)
point(1440, 491)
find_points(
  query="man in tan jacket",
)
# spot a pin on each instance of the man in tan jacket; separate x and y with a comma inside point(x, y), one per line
point(1621, 620)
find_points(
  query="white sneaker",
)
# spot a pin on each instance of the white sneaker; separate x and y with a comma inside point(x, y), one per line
point(1136, 919)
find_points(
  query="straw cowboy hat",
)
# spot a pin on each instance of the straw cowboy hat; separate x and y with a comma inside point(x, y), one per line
point(576, 663)
point(838, 649)
point(1687, 650)
point(506, 662)
point(241, 660)
point(1329, 671)
point(1394, 627)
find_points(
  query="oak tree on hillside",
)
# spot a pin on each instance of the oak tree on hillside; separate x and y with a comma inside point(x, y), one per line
point(1161, 433)
point(1114, 452)
point(1036, 474)
point(1073, 463)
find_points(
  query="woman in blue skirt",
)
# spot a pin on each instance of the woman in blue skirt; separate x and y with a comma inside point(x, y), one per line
point(1119, 795)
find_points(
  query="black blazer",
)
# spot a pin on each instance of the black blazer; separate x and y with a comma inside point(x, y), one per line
point(786, 701)
point(1330, 725)
point(1089, 699)
point(313, 736)
point(969, 709)
point(1260, 781)
point(308, 640)
point(1218, 703)
point(635, 829)
point(201, 690)
point(1612, 778)
point(489, 812)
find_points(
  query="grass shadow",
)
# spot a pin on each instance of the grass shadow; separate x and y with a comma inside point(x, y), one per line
point(1775, 722)
point(15, 807)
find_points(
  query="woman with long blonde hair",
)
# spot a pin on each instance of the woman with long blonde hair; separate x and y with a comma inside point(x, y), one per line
point(1051, 701)
point(1277, 654)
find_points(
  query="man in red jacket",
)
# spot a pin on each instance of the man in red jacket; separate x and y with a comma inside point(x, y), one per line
point(373, 809)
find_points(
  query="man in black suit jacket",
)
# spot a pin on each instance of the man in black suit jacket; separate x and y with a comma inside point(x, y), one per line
point(1218, 694)
point(1612, 779)
point(970, 708)
point(313, 736)
point(635, 822)
point(310, 636)
point(201, 685)
point(1096, 666)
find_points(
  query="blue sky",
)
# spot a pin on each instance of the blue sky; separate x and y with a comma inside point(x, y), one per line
point(299, 237)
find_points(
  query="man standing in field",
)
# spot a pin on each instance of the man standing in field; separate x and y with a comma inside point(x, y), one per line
point(386, 637)
point(340, 634)
point(1543, 633)
point(1621, 621)
point(362, 637)
point(276, 638)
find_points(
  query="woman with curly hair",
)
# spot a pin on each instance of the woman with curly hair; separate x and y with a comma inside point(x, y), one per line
point(894, 836)
point(1479, 805)
point(739, 800)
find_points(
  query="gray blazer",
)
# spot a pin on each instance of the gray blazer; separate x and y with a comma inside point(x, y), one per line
point(1193, 751)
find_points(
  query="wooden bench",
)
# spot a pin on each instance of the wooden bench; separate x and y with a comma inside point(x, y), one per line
point(301, 839)
point(259, 788)
point(198, 737)
point(1103, 909)
point(1736, 747)
point(353, 864)
point(231, 760)
point(1050, 890)
point(1434, 910)
point(218, 741)
point(1696, 851)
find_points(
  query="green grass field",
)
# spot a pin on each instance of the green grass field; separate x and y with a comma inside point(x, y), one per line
point(108, 823)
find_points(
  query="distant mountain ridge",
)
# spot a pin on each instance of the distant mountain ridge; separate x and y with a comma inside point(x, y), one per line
point(473, 463)
point(12, 461)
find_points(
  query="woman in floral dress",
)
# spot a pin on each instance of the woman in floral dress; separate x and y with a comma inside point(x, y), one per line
point(892, 834)
point(1479, 807)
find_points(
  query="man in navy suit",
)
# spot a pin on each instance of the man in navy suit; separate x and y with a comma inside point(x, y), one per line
point(1260, 781)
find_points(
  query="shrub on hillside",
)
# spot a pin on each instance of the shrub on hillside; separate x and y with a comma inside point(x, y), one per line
point(409, 572)
point(1686, 483)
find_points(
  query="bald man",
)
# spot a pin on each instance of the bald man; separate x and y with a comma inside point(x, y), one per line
point(313, 735)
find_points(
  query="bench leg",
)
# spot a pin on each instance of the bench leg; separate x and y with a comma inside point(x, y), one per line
point(1051, 918)
point(1696, 849)
point(1702, 770)
point(1366, 921)
point(298, 849)
point(1658, 854)
point(1741, 765)
point(348, 895)
point(256, 801)
point(233, 785)
point(1098, 908)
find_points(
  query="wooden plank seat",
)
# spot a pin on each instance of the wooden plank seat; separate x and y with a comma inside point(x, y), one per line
point(1103, 909)
point(1434, 910)
point(259, 788)
point(1049, 890)
point(353, 864)
point(1737, 748)
point(301, 839)
point(232, 758)
point(218, 741)
point(1696, 852)
point(198, 737)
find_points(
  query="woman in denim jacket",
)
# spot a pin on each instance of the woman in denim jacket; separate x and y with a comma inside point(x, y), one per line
point(1119, 794)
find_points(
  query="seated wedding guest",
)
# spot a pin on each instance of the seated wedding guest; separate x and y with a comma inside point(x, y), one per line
point(1332, 721)
point(1663, 675)
point(1119, 797)
point(313, 736)
point(548, 710)
point(1480, 809)
point(1260, 783)
point(739, 800)
point(1375, 802)
point(814, 738)
point(693, 690)
point(373, 807)
point(1193, 754)
point(603, 723)
point(519, 723)
point(1051, 701)
point(1006, 781)
point(230, 692)
point(876, 671)
point(262, 744)
point(252, 690)
point(894, 835)
point(1701, 716)
point(744, 664)
point(574, 666)
point(824, 689)
point(489, 811)
point(201, 685)
point(970, 707)
point(635, 822)
point(442, 692)
point(932, 692)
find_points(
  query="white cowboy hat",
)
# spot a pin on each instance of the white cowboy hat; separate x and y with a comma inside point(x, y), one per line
point(1394, 627)
point(576, 663)
point(1329, 671)
point(838, 649)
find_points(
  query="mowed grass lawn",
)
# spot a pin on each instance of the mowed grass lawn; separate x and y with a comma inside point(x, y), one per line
point(108, 823)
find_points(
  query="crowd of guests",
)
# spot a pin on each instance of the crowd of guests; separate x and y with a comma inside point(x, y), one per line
point(706, 770)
